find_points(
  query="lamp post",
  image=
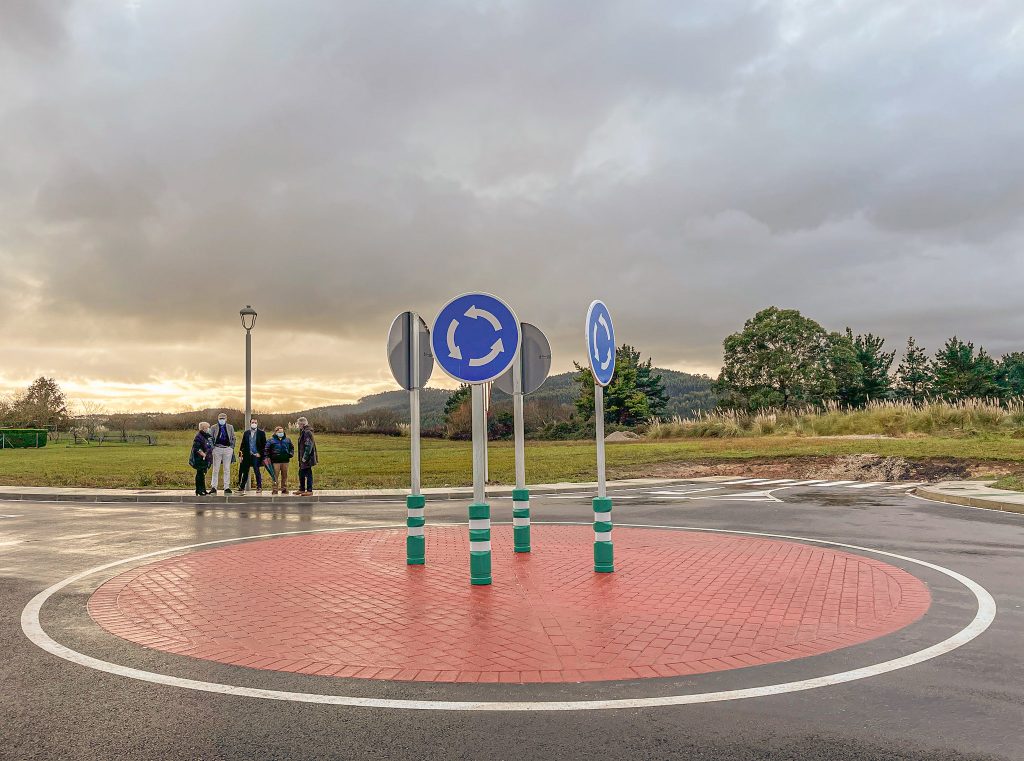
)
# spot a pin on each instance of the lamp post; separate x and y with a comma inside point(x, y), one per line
point(248, 316)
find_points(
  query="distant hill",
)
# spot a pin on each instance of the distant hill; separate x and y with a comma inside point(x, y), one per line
point(687, 395)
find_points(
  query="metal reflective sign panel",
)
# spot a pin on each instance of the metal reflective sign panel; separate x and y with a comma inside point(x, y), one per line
point(400, 351)
point(601, 343)
point(475, 337)
point(535, 361)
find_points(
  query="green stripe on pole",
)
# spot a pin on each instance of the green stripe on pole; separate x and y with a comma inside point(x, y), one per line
point(479, 560)
point(415, 544)
point(521, 509)
point(604, 555)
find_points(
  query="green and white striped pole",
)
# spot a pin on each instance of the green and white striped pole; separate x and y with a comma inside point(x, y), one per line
point(603, 551)
point(520, 495)
point(479, 511)
point(415, 503)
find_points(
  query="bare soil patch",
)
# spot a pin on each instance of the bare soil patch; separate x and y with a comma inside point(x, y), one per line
point(859, 467)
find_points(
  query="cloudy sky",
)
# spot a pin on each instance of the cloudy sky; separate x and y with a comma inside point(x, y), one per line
point(334, 162)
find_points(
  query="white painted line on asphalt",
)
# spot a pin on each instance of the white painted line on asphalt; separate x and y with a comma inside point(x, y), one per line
point(907, 485)
point(782, 481)
point(742, 481)
point(10, 516)
point(678, 493)
point(31, 626)
point(11, 543)
point(837, 483)
point(867, 485)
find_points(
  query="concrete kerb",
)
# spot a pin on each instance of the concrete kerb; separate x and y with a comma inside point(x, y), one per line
point(45, 494)
point(973, 494)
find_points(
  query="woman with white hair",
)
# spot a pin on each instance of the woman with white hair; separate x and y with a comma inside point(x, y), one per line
point(201, 457)
point(307, 457)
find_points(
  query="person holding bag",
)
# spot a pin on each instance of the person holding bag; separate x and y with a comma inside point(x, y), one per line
point(254, 444)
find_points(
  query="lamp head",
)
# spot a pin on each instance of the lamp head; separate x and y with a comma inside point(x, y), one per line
point(248, 316)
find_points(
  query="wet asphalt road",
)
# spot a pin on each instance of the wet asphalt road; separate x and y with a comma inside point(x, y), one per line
point(967, 704)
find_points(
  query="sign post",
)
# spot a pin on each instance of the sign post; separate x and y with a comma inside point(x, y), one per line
point(475, 339)
point(524, 377)
point(411, 364)
point(600, 336)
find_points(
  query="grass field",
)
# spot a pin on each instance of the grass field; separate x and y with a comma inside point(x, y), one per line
point(354, 462)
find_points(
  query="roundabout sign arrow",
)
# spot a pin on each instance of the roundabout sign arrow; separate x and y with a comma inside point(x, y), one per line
point(601, 343)
point(476, 337)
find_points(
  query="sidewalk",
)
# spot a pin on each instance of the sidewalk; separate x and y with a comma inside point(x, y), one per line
point(56, 494)
point(973, 494)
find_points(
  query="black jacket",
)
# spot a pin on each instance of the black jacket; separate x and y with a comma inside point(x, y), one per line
point(261, 445)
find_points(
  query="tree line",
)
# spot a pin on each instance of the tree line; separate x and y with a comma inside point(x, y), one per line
point(782, 359)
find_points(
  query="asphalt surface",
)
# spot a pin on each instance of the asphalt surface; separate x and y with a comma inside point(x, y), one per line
point(966, 704)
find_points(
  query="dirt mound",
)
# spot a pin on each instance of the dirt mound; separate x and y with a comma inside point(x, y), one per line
point(622, 436)
point(867, 467)
point(862, 467)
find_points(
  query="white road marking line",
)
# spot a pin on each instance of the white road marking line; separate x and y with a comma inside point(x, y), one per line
point(33, 629)
point(837, 483)
point(907, 485)
point(10, 516)
point(867, 484)
point(742, 481)
point(680, 493)
point(782, 481)
point(11, 543)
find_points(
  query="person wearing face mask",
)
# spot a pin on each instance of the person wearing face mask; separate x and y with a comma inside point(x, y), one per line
point(201, 457)
point(223, 452)
point(254, 443)
point(280, 451)
point(307, 457)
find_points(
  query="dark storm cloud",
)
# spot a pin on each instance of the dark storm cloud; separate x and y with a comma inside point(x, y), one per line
point(339, 162)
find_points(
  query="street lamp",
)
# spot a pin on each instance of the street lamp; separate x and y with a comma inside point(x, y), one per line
point(248, 316)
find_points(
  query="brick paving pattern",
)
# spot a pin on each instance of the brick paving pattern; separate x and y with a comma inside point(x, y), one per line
point(345, 604)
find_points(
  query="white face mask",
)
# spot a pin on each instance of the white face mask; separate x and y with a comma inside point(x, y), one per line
point(254, 426)
point(279, 435)
point(222, 420)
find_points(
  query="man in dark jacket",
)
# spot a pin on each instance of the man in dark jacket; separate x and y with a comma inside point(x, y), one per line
point(307, 458)
point(254, 443)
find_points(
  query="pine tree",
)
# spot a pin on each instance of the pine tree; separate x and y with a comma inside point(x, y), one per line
point(1011, 374)
point(961, 374)
point(875, 383)
point(635, 395)
point(914, 379)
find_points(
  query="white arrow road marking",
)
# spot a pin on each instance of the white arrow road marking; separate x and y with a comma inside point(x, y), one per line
point(474, 312)
point(497, 348)
point(453, 350)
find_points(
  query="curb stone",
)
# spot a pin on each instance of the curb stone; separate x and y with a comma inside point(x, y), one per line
point(973, 494)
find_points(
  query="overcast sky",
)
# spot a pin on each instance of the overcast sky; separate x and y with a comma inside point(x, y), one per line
point(165, 162)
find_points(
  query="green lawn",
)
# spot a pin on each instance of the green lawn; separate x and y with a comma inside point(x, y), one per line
point(355, 462)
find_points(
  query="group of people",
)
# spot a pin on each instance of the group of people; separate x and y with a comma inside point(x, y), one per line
point(213, 449)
